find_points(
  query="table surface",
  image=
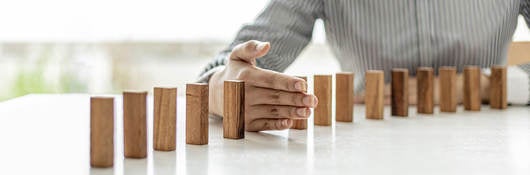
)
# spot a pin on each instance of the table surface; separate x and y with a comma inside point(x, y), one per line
point(49, 134)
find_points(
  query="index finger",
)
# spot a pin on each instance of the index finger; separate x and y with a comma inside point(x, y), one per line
point(274, 80)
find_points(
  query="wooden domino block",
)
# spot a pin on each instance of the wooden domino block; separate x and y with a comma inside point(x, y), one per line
point(448, 97)
point(374, 94)
point(344, 97)
point(197, 113)
point(300, 123)
point(135, 124)
point(322, 89)
point(425, 90)
point(498, 89)
point(234, 109)
point(101, 132)
point(400, 92)
point(165, 119)
point(472, 99)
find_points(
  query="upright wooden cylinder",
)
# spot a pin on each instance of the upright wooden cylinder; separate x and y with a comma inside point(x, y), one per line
point(165, 119)
point(498, 88)
point(322, 89)
point(344, 96)
point(197, 113)
point(472, 99)
point(135, 124)
point(101, 132)
point(234, 109)
point(300, 123)
point(425, 90)
point(448, 97)
point(400, 92)
point(374, 94)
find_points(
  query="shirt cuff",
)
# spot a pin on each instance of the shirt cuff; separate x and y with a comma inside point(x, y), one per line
point(205, 77)
point(518, 84)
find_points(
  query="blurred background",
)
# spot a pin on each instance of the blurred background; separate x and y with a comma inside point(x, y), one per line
point(97, 46)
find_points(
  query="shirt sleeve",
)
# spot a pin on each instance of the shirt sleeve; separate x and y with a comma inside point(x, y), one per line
point(525, 11)
point(518, 84)
point(286, 24)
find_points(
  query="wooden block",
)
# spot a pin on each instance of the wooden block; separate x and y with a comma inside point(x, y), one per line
point(498, 89)
point(425, 90)
point(400, 92)
point(300, 123)
point(135, 124)
point(472, 99)
point(322, 89)
point(234, 109)
point(101, 131)
point(448, 97)
point(165, 119)
point(197, 113)
point(344, 97)
point(374, 94)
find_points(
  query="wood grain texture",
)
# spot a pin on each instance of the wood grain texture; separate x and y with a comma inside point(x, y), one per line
point(344, 96)
point(400, 92)
point(472, 100)
point(300, 124)
point(135, 124)
point(322, 88)
point(165, 119)
point(425, 90)
point(234, 109)
point(448, 96)
point(101, 132)
point(498, 87)
point(374, 94)
point(197, 113)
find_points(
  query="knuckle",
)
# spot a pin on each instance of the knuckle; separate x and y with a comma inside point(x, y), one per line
point(292, 112)
point(298, 99)
point(274, 111)
point(275, 97)
point(243, 74)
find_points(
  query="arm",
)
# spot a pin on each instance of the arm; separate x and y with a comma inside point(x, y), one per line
point(272, 99)
point(286, 24)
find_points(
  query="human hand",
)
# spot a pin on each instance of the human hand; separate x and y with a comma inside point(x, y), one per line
point(272, 99)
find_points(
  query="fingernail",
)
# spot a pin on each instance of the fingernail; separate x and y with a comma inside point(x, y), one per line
point(300, 86)
point(301, 112)
point(261, 46)
point(284, 123)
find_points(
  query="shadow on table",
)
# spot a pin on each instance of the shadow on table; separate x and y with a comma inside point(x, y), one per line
point(135, 166)
point(101, 171)
point(164, 162)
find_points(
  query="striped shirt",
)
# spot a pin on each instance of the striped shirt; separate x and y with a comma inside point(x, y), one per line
point(386, 34)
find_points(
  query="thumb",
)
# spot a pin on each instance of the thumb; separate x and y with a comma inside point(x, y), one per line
point(249, 51)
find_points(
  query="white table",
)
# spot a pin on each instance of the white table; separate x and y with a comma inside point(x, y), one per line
point(49, 134)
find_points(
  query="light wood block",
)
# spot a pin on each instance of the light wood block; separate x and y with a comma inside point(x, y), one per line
point(400, 92)
point(234, 109)
point(300, 124)
point(165, 119)
point(448, 96)
point(197, 113)
point(472, 99)
point(135, 124)
point(322, 89)
point(498, 88)
point(344, 96)
point(374, 94)
point(101, 132)
point(425, 90)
